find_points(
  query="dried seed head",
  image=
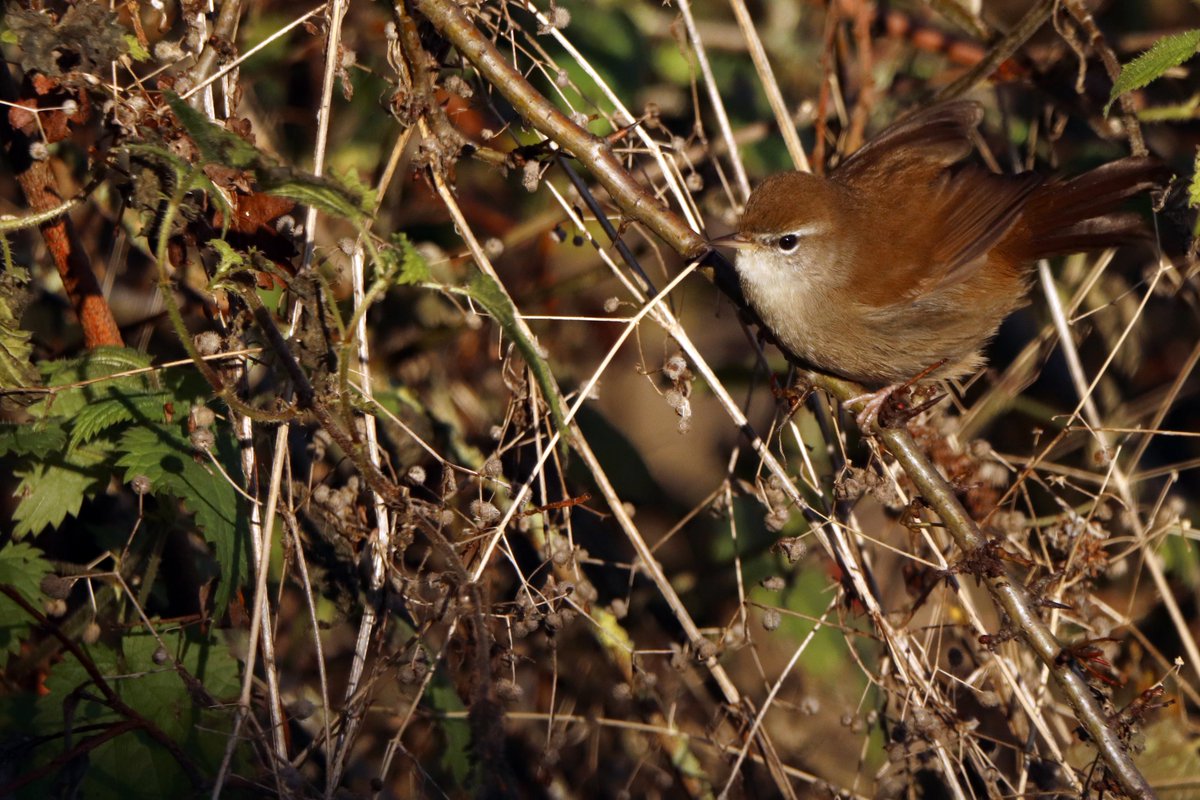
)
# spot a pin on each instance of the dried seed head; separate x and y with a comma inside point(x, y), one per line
point(530, 175)
point(793, 548)
point(168, 51)
point(484, 512)
point(203, 439)
point(777, 519)
point(202, 416)
point(675, 367)
point(771, 619)
point(55, 607)
point(492, 468)
point(208, 343)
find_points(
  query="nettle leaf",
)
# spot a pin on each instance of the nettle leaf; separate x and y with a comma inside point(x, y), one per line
point(229, 264)
point(164, 454)
point(89, 404)
point(114, 406)
point(81, 377)
point(16, 369)
point(22, 567)
point(136, 51)
point(1167, 52)
point(327, 195)
point(35, 440)
point(56, 486)
point(488, 294)
point(158, 693)
point(216, 145)
point(402, 264)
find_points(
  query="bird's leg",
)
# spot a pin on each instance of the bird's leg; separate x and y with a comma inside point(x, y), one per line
point(888, 407)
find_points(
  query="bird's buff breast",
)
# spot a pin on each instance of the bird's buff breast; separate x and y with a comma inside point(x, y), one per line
point(809, 313)
point(798, 309)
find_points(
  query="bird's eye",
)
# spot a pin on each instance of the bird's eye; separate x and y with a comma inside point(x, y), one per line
point(788, 242)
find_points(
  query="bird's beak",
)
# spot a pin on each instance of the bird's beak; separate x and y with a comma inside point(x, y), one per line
point(735, 240)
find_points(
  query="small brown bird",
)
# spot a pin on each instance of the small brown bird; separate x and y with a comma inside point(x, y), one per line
point(907, 257)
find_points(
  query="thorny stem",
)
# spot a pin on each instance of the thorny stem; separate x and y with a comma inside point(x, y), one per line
point(1012, 598)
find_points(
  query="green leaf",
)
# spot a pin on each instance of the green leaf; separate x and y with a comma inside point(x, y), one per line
point(457, 730)
point(86, 371)
point(1194, 186)
point(164, 454)
point(32, 440)
point(22, 567)
point(327, 195)
point(1167, 52)
point(488, 294)
point(158, 693)
point(16, 369)
point(113, 406)
point(136, 50)
point(402, 264)
point(55, 487)
point(216, 145)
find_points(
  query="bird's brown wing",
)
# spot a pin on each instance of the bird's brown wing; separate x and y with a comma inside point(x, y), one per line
point(929, 140)
point(951, 213)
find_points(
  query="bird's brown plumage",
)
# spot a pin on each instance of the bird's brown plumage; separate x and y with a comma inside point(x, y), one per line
point(908, 254)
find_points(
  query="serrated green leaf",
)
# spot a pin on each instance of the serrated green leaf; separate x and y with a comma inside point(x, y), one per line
point(16, 369)
point(32, 440)
point(85, 370)
point(113, 405)
point(327, 195)
point(164, 454)
point(485, 292)
point(1167, 52)
point(22, 567)
point(55, 487)
point(216, 145)
point(402, 264)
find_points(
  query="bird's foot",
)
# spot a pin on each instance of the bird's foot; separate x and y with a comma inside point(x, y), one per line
point(894, 405)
